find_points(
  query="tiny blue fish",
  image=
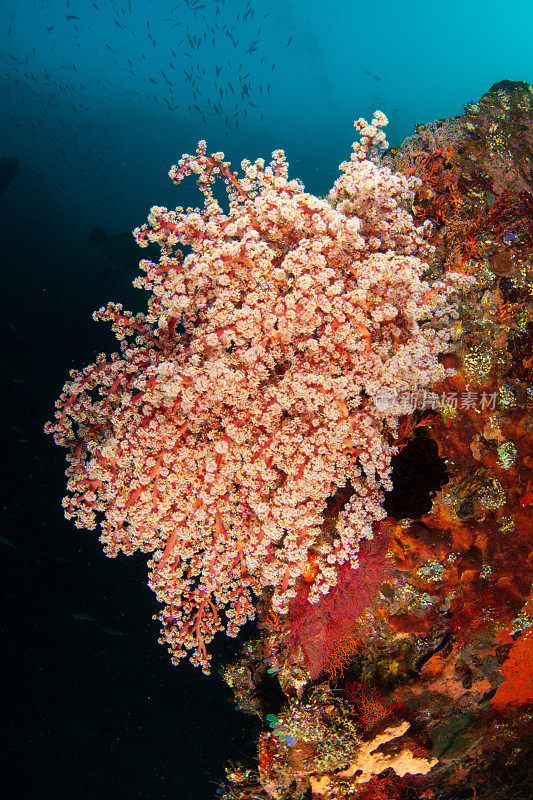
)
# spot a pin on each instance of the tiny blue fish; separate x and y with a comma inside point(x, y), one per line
point(290, 740)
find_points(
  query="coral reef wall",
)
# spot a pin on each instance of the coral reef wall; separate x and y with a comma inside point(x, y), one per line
point(424, 688)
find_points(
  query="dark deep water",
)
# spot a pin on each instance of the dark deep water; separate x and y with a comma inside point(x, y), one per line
point(98, 100)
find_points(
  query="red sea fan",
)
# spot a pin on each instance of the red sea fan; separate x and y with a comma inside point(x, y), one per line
point(316, 627)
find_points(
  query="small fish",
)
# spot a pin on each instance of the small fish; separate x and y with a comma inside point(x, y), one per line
point(70, 17)
point(7, 542)
point(83, 617)
point(114, 632)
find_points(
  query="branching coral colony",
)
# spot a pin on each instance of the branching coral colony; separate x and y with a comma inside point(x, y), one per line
point(340, 441)
point(217, 450)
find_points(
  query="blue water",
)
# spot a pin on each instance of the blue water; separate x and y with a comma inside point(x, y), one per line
point(87, 108)
point(97, 101)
